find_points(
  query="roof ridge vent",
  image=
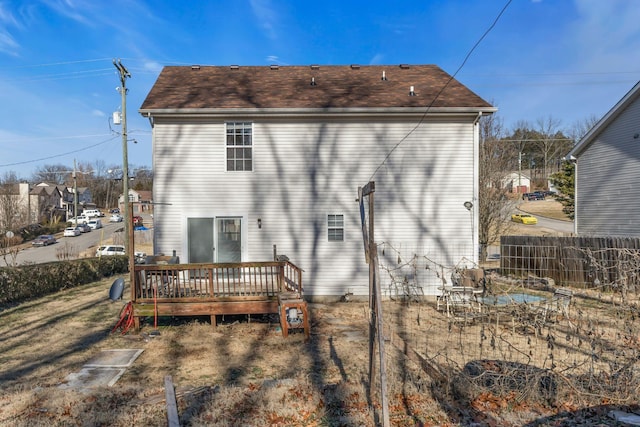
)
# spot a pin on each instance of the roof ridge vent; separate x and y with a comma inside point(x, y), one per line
point(315, 67)
point(275, 67)
point(234, 67)
point(405, 66)
point(355, 66)
point(195, 67)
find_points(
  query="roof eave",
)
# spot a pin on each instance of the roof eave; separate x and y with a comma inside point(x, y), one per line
point(317, 112)
point(605, 121)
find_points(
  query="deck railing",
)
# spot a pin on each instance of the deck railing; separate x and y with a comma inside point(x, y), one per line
point(215, 282)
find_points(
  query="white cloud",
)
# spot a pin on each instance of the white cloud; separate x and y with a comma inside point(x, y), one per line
point(70, 9)
point(605, 34)
point(8, 43)
point(266, 15)
point(378, 58)
point(153, 66)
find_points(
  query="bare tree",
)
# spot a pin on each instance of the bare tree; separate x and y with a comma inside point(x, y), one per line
point(12, 216)
point(581, 127)
point(496, 159)
point(143, 179)
point(552, 144)
point(55, 174)
point(11, 204)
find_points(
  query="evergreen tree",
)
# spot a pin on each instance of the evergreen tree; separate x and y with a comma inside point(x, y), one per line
point(564, 182)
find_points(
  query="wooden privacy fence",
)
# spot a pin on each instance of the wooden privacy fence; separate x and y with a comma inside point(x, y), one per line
point(576, 261)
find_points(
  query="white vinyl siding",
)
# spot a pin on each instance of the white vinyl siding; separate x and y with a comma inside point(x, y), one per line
point(608, 179)
point(304, 169)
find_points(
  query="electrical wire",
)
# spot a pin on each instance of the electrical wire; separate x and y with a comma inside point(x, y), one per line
point(464, 61)
point(59, 155)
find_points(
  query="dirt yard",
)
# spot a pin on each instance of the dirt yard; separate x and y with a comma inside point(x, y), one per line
point(244, 373)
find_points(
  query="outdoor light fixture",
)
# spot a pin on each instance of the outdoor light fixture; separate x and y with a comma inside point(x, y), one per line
point(468, 205)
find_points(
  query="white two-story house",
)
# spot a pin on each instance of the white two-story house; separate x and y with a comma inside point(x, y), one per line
point(252, 161)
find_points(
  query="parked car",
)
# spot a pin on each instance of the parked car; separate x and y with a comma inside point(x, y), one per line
point(92, 213)
point(116, 217)
point(44, 240)
point(80, 219)
point(72, 232)
point(114, 210)
point(110, 250)
point(95, 224)
point(84, 228)
point(524, 219)
point(536, 195)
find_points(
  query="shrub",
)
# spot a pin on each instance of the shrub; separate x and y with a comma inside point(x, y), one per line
point(18, 284)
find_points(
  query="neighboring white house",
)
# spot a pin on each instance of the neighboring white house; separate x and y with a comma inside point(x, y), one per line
point(252, 160)
point(607, 180)
point(517, 182)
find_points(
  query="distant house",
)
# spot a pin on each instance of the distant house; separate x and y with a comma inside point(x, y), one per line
point(22, 204)
point(15, 206)
point(141, 201)
point(253, 161)
point(607, 180)
point(46, 202)
point(67, 200)
point(517, 182)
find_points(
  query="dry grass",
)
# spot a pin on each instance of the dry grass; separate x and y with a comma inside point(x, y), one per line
point(245, 373)
point(549, 208)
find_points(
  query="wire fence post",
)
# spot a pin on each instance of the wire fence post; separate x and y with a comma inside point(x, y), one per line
point(375, 300)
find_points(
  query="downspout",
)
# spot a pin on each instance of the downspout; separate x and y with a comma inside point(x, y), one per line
point(575, 197)
point(476, 179)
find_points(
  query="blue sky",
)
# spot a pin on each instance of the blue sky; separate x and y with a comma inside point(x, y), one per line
point(565, 59)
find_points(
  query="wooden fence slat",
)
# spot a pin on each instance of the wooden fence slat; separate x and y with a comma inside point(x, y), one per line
point(575, 261)
point(172, 405)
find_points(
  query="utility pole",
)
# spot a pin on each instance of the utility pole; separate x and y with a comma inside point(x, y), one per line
point(128, 220)
point(75, 193)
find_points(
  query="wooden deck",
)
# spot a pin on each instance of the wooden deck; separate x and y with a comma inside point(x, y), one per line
point(219, 289)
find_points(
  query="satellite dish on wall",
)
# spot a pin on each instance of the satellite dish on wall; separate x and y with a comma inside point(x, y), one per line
point(9, 234)
point(116, 289)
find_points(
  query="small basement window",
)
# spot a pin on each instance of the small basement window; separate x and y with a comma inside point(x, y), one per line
point(335, 227)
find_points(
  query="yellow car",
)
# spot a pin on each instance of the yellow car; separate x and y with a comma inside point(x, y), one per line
point(524, 219)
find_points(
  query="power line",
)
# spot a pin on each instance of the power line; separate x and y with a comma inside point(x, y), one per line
point(58, 155)
point(51, 64)
point(49, 138)
point(466, 58)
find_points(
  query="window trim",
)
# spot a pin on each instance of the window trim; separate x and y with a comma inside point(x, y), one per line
point(334, 225)
point(250, 146)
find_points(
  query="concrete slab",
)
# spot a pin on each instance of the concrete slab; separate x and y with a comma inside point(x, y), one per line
point(105, 369)
point(89, 378)
point(116, 358)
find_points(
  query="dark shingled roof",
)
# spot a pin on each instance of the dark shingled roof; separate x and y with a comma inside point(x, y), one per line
point(248, 87)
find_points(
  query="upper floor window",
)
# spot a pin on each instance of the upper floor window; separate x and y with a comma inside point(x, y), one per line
point(335, 227)
point(239, 146)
